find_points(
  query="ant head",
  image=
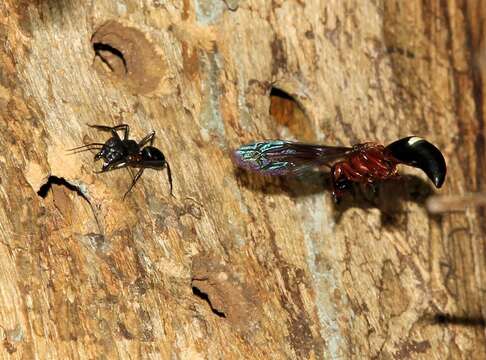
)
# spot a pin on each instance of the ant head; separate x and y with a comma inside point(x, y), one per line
point(111, 151)
point(150, 153)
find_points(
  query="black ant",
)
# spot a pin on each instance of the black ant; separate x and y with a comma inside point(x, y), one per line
point(120, 153)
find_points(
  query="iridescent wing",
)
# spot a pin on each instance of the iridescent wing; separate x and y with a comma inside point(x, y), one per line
point(279, 157)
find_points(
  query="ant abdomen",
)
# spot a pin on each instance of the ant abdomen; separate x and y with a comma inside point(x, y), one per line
point(150, 153)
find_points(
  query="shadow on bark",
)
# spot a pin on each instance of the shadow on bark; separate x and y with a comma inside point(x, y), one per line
point(460, 320)
point(387, 196)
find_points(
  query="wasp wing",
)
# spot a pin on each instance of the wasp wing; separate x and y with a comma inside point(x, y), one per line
point(279, 157)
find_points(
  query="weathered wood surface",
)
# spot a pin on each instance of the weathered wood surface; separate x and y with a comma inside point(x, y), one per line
point(285, 273)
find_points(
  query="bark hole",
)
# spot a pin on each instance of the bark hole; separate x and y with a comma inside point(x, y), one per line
point(205, 297)
point(130, 56)
point(111, 57)
point(289, 115)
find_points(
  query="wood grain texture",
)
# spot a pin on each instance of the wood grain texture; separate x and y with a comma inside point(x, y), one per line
point(235, 265)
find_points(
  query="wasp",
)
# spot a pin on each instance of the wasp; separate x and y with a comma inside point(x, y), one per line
point(365, 163)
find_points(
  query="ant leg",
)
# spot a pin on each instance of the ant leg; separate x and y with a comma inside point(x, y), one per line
point(113, 129)
point(126, 130)
point(113, 166)
point(149, 138)
point(107, 128)
point(129, 169)
point(134, 181)
point(101, 127)
point(156, 164)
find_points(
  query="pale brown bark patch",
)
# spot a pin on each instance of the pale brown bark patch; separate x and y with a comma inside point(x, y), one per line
point(129, 56)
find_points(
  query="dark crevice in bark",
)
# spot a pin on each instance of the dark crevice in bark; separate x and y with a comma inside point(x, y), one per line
point(205, 297)
point(54, 180)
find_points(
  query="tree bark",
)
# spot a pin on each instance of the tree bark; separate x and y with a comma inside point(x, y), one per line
point(235, 265)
